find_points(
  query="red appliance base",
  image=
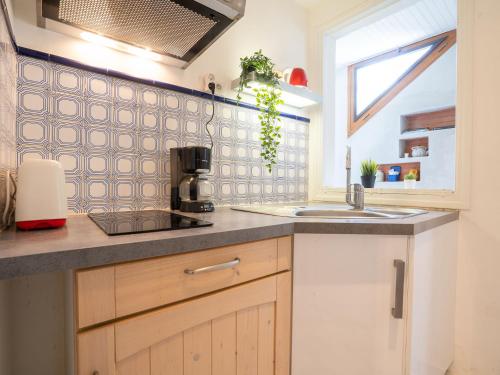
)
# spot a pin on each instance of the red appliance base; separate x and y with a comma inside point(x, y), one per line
point(40, 224)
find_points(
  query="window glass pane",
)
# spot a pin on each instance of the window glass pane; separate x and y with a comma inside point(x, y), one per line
point(374, 79)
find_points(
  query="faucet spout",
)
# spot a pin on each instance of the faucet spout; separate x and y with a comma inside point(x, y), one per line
point(358, 202)
point(348, 175)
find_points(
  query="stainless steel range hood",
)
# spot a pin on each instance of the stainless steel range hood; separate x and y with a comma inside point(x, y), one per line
point(177, 30)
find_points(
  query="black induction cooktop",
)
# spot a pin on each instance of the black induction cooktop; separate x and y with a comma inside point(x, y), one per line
point(128, 222)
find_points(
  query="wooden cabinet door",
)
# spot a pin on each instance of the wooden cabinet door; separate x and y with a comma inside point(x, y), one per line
point(344, 292)
point(244, 330)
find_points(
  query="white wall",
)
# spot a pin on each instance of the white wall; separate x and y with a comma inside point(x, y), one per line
point(478, 310)
point(478, 281)
point(379, 138)
point(10, 10)
point(278, 27)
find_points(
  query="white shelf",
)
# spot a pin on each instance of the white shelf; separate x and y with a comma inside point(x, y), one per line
point(294, 96)
point(412, 159)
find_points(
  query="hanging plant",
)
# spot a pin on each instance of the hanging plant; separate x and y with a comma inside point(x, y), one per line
point(268, 97)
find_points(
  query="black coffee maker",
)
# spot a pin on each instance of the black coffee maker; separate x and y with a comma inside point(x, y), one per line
point(190, 189)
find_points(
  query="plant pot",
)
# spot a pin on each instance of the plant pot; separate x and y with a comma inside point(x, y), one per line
point(410, 184)
point(368, 181)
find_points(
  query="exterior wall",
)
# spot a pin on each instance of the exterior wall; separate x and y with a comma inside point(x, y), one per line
point(8, 75)
point(379, 138)
point(113, 137)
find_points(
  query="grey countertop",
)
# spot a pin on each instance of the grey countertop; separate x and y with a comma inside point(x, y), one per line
point(82, 244)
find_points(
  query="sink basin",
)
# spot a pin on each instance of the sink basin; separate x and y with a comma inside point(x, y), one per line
point(332, 211)
point(337, 213)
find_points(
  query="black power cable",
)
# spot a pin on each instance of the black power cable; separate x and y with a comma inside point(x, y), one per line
point(211, 87)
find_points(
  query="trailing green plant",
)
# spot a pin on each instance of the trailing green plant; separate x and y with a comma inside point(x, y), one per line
point(267, 100)
point(368, 168)
point(410, 176)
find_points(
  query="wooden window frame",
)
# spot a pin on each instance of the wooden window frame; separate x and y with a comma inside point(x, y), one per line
point(440, 44)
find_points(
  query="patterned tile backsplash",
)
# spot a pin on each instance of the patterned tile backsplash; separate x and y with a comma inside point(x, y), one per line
point(8, 75)
point(113, 135)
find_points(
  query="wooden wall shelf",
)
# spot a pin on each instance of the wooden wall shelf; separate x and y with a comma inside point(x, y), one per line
point(405, 145)
point(440, 119)
point(405, 169)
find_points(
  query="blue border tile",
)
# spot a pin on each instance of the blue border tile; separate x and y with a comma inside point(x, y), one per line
point(184, 90)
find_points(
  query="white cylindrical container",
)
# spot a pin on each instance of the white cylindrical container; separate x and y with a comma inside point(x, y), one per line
point(41, 195)
point(410, 184)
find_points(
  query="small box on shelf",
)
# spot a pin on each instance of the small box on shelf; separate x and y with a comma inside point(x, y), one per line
point(405, 168)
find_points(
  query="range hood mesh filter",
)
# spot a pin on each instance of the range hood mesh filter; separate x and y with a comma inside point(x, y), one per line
point(161, 25)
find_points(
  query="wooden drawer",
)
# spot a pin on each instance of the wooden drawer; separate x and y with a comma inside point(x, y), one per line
point(107, 293)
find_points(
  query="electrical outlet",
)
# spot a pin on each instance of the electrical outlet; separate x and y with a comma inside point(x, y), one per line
point(209, 78)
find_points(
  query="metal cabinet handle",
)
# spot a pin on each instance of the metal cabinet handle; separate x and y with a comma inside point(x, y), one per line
point(397, 310)
point(215, 267)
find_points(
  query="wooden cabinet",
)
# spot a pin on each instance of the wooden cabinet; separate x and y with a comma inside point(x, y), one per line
point(243, 329)
point(106, 293)
point(348, 292)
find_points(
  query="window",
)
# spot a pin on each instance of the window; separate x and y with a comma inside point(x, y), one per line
point(391, 79)
point(374, 82)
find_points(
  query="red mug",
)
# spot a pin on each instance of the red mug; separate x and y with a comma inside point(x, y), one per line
point(298, 77)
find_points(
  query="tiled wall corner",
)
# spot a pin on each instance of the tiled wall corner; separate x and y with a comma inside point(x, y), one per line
point(8, 76)
point(113, 137)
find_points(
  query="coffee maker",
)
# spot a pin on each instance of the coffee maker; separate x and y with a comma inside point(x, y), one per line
point(190, 189)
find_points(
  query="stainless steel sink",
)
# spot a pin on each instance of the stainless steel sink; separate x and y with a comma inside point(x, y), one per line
point(337, 213)
point(331, 211)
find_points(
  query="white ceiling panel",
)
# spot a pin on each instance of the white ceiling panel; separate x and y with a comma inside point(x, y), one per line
point(402, 26)
point(309, 3)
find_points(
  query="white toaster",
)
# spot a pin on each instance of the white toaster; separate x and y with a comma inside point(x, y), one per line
point(41, 195)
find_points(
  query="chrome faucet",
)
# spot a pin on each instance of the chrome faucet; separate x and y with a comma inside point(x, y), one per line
point(355, 199)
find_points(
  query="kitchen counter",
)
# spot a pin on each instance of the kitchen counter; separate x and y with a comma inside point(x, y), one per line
point(82, 244)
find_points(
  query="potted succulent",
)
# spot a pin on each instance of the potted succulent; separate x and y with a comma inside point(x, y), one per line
point(267, 98)
point(368, 173)
point(410, 181)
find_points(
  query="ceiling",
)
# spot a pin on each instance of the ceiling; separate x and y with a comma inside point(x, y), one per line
point(308, 3)
point(394, 27)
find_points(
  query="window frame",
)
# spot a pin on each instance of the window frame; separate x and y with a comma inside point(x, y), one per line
point(440, 44)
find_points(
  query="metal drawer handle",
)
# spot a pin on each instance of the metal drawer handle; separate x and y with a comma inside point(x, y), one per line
point(397, 310)
point(215, 267)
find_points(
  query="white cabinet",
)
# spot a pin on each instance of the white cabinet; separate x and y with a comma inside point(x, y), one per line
point(346, 297)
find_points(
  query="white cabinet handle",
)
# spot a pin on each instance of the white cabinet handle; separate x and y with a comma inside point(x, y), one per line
point(397, 310)
point(215, 267)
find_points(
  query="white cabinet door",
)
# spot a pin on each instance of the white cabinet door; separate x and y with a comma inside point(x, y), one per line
point(344, 293)
point(431, 313)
